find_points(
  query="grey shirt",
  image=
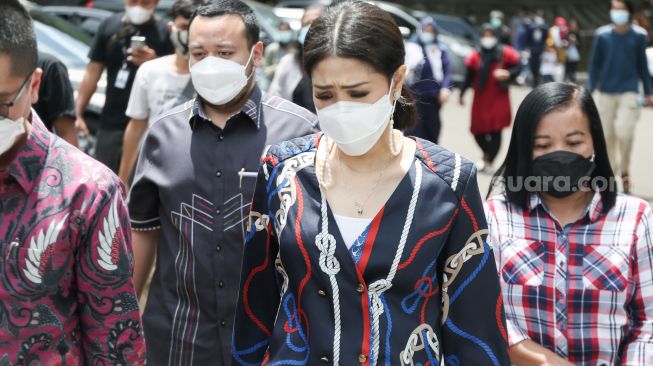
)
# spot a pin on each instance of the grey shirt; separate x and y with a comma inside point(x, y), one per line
point(187, 184)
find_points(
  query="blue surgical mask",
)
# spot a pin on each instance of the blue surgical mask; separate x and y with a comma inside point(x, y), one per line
point(496, 22)
point(619, 17)
point(301, 37)
point(427, 37)
point(285, 36)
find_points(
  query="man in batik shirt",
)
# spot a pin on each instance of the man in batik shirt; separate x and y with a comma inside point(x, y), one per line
point(66, 295)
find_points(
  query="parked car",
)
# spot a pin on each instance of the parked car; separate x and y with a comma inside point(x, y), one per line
point(69, 44)
point(451, 25)
point(268, 21)
point(459, 48)
point(87, 19)
point(291, 11)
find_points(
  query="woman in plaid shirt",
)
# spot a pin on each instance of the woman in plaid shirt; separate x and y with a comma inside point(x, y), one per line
point(575, 258)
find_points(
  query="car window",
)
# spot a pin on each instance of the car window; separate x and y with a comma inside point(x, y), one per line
point(69, 50)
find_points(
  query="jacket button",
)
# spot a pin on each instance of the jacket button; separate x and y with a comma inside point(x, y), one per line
point(362, 358)
point(321, 293)
point(360, 288)
point(324, 359)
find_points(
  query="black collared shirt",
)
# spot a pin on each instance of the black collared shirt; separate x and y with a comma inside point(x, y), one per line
point(187, 184)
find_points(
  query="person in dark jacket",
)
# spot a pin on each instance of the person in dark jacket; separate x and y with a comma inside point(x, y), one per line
point(429, 77)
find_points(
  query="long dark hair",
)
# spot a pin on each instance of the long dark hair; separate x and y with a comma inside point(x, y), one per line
point(356, 29)
point(542, 100)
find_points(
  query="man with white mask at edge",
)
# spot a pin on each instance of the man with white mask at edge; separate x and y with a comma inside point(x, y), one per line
point(115, 49)
point(193, 184)
point(160, 85)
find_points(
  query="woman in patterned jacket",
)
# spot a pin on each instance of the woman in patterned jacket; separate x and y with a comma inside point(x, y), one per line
point(364, 246)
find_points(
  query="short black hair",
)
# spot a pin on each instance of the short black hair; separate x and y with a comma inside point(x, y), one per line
point(223, 7)
point(543, 100)
point(184, 8)
point(17, 38)
point(629, 6)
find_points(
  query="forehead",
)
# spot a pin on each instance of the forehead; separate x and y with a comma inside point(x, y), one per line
point(8, 81)
point(228, 28)
point(344, 71)
point(618, 4)
point(562, 121)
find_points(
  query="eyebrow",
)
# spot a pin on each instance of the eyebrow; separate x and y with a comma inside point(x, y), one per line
point(568, 135)
point(352, 86)
point(576, 133)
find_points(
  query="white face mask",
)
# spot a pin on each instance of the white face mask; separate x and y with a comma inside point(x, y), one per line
point(356, 127)
point(219, 81)
point(488, 42)
point(138, 15)
point(179, 39)
point(619, 16)
point(10, 130)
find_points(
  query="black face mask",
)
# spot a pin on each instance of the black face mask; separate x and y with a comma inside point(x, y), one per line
point(560, 172)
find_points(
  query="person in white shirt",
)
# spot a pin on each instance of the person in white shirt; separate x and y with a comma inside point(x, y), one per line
point(159, 85)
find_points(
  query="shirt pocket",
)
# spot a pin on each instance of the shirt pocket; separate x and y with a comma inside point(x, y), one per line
point(605, 268)
point(524, 262)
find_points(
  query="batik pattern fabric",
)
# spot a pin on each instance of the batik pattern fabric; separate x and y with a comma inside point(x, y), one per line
point(66, 294)
point(585, 290)
point(422, 291)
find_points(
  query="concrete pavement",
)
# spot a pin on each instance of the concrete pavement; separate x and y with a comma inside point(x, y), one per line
point(455, 136)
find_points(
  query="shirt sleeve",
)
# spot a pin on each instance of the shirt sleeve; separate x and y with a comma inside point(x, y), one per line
point(138, 107)
point(56, 93)
point(515, 333)
point(595, 64)
point(144, 193)
point(446, 71)
point(639, 342)
point(98, 50)
point(110, 326)
point(473, 329)
point(642, 64)
point(259, 294)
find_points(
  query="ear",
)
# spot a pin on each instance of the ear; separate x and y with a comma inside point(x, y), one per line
point(35, 85)
point(257, 54)
point(398, 84)
point(169, 26)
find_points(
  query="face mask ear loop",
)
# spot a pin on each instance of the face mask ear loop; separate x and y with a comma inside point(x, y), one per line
point(251, 54)
point(394, 150)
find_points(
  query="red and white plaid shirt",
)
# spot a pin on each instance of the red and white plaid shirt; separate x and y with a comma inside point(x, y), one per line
point(584, 291)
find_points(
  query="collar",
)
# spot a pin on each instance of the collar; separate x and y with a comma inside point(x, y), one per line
point(251, 109)
point(593, 211)
point(25, 169)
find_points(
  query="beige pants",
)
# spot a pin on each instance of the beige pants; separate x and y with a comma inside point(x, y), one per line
point(619, 115)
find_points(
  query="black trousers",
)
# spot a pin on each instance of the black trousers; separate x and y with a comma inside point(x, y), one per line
point(570, 71)
point(490, 143)
point(108, 149)
point(428, 120)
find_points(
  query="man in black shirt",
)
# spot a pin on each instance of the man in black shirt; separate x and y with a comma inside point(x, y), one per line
point(56, 105)
point(112, 49)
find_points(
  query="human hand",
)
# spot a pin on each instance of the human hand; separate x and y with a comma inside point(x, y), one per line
point(501, 74)
point(444, 95)
point(139, 55)
point(80, 125)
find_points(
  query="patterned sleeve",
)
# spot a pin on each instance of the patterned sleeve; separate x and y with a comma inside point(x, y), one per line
point(259, 294)
point(473, 328)
point(515, 334)
point(639, 346)
point(110, 325)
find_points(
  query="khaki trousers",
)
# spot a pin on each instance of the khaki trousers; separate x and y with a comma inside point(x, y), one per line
point(619, 115)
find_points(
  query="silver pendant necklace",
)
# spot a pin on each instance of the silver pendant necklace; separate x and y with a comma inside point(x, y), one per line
point(360, 206)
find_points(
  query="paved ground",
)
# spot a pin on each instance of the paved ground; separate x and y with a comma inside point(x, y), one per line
point(455, 136)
